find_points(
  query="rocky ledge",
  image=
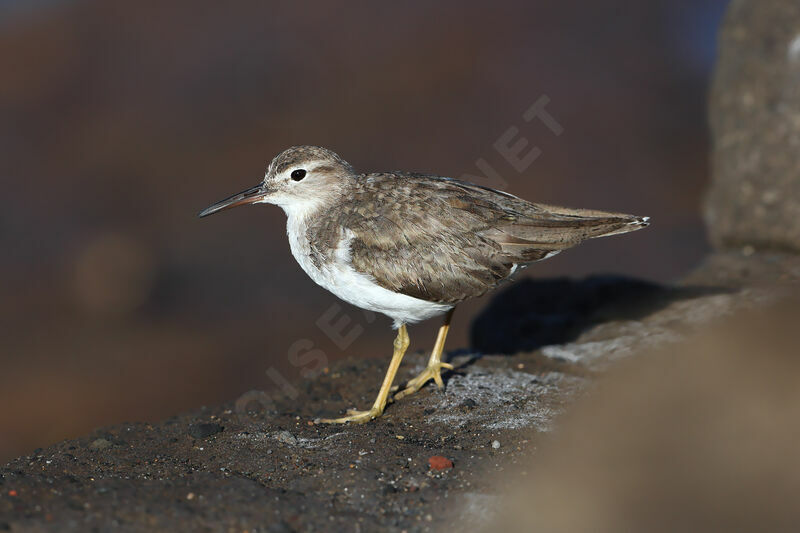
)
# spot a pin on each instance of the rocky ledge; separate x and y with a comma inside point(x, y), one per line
point(430, 460)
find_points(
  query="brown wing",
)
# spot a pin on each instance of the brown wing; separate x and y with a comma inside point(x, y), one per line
point(445, 240)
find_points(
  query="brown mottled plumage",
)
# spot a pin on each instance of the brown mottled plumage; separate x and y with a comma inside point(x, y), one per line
point(409, 245)
point(447, 240)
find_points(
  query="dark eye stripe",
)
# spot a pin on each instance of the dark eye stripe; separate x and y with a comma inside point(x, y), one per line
point(298, 174)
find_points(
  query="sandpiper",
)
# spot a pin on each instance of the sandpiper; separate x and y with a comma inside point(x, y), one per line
point(411, 246)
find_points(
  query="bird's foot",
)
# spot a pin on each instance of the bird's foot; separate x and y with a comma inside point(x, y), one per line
point(354, 416)
point(433, 371)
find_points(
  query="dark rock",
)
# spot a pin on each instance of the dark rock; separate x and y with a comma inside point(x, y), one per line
point(304, 477)
point(755, 117)
point(204, 429)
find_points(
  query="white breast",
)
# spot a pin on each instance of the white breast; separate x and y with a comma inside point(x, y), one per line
point(352, 286)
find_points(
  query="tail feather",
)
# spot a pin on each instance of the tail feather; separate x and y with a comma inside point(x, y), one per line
point(571, 228)
point(549, 230)
point(636, 223)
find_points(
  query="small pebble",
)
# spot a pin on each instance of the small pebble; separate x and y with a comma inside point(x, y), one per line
point(469, 403)
point(285, 437)
point(99, 444)
point(495, 444)
point(437, 462)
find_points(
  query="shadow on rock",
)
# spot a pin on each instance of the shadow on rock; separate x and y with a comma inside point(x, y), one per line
point(535, 313)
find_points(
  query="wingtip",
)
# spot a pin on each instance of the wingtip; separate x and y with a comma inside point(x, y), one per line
point(636, 224)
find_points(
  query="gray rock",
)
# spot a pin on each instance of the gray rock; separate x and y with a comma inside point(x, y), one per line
point(754, 200)
point(285, 437)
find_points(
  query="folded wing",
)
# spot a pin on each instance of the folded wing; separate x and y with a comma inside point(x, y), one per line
point(450, 240)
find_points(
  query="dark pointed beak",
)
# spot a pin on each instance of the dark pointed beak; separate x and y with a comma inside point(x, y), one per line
point(250, 196)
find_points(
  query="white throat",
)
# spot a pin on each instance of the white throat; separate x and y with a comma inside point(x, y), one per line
point(296, 208)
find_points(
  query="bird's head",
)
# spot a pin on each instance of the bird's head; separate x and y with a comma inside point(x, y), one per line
point(300, 178)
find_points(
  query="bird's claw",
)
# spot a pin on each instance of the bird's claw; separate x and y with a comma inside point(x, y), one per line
point(354, 416)
point(433, 372)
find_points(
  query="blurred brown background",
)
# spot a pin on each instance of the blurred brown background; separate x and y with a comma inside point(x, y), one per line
point(119, 122)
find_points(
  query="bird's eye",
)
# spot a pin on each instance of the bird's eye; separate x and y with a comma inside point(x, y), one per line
point(298, 174)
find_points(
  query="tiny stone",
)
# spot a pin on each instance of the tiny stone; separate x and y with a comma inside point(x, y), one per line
point(437, 462)
point(469, 403)
point(100, 444)
point(495, 444)
point(205, 429)
point(285, 437)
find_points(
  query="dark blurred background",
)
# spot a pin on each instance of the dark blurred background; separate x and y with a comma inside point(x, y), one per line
point(120, 121)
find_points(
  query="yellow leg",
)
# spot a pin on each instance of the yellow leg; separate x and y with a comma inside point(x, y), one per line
point(401, 343)
point(434, 369)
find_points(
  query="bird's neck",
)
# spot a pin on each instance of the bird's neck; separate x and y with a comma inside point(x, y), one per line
point(301, 210)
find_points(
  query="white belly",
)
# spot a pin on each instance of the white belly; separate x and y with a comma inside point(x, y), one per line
point(355, 287)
